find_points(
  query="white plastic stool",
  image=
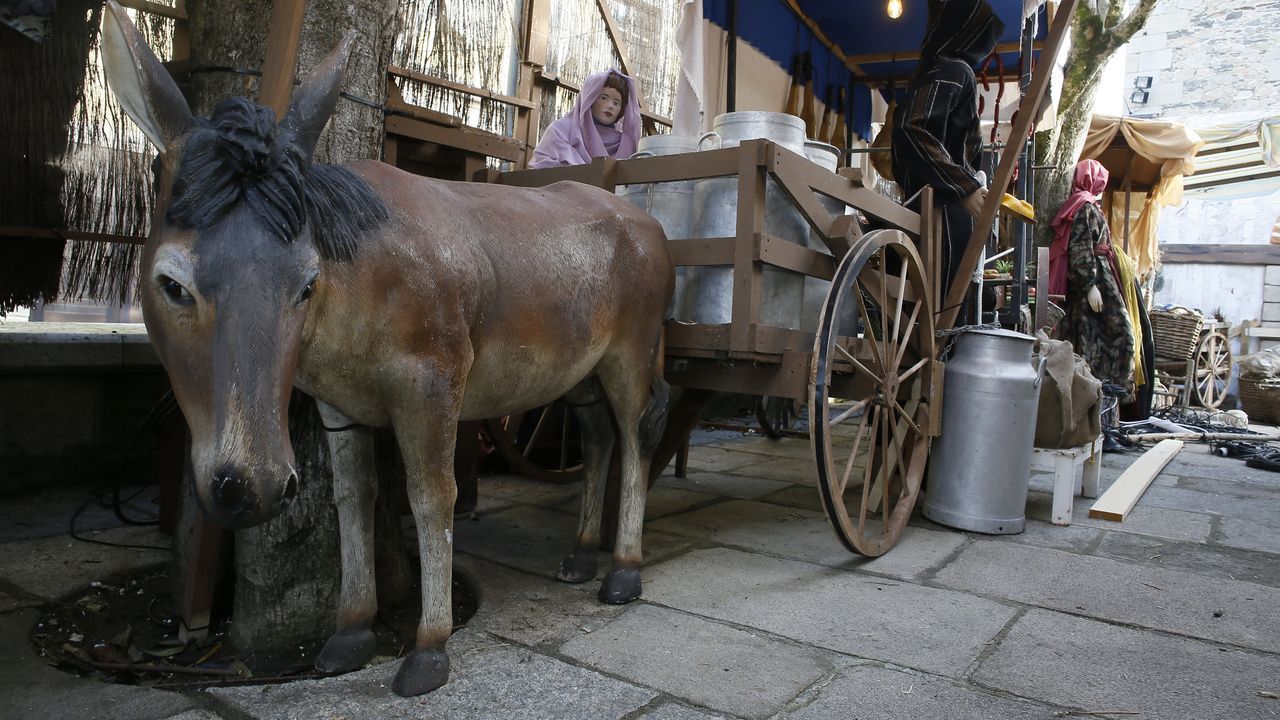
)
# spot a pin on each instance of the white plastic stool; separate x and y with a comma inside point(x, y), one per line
point(1063, 463)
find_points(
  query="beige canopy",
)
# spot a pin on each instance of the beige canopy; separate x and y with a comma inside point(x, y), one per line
point(1147, 158)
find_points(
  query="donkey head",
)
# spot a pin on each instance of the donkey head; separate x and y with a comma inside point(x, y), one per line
point(229, 267)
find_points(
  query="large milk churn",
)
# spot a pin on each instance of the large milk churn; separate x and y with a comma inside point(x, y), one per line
point(709, 296)
point(979, 467)
point(670, 203)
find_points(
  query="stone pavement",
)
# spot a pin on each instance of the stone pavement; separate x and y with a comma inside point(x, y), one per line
point(753, 610)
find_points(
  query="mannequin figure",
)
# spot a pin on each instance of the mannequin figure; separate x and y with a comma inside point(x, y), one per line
point(936, 140)
point(604, 122)
point(1082, 267)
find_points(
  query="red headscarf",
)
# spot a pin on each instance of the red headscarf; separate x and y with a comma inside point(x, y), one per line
point(1090, 181)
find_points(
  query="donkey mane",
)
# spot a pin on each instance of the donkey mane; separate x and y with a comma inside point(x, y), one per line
point(237, 156)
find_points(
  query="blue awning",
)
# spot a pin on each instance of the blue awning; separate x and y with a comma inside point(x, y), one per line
point(858, 28)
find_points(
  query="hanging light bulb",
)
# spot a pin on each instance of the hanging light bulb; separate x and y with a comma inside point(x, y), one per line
point(894, 9)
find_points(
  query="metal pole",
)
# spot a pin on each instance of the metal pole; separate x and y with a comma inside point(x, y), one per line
point(731, 81)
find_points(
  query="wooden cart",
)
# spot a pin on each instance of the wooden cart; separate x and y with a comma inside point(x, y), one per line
point(1193, 357)
point(868, 371)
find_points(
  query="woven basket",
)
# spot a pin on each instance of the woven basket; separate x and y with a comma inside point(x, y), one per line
point(1261, 399)
point(1176, 332)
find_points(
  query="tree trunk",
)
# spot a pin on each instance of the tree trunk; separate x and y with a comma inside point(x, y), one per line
point(1098, 30)
point(287, 570)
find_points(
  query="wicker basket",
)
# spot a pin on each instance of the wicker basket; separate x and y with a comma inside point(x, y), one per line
point(1176, 332)
point(1261, 399)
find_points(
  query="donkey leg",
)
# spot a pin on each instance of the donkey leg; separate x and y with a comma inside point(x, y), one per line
point(626, 382)
point(354, 491)
point(427, 444)
point(597, 448)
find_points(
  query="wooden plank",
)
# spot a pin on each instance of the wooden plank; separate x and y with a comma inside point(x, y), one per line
point(702, 251)
point(59, 234)
point(397, 71)
point(462, 138)
point(797, 258)
point(873, 58)
point(283, 36)
point(1120, 498)
point(1220, 254)
point(1027, 110)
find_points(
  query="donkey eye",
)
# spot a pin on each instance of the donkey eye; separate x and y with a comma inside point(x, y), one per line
point(307, 292)
point(174, 290)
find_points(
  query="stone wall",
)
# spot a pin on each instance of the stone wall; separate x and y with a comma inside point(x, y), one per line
point(1207, 60)
point(1213, 63)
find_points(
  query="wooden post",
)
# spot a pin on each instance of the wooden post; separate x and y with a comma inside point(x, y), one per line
point(537, 31)
point(1027, 110)
point(1042, 286)
point(283, 36)
point(747, 271)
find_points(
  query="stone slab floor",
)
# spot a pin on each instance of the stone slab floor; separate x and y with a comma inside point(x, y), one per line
point(753, 610)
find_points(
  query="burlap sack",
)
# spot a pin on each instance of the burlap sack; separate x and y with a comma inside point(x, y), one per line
point(1070, 397)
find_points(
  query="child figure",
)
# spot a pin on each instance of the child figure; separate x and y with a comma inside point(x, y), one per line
point(604, 122)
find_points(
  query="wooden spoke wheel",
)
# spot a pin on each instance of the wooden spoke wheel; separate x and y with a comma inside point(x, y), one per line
point(869, 406)
point(777, 415)
point(540, 444)
point(1211, 369)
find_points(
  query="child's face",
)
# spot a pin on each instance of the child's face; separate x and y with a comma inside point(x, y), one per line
point(607, 107)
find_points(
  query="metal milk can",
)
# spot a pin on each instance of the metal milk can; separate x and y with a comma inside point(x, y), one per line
point(709, 296)
point(670, 203)
point(979, 467)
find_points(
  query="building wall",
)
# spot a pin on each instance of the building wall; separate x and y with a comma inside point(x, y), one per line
point(1208, 61)
point(1212, 63)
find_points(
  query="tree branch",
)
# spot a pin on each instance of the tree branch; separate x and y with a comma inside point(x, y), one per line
point(1135, 21)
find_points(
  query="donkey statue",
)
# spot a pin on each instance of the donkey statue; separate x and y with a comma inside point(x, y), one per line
point(396, 301)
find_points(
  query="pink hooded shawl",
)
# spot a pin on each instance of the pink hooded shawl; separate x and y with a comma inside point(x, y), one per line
point(1090, 181)
point(574, 139)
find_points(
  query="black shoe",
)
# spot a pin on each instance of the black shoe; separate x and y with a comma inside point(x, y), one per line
point(1270, 462)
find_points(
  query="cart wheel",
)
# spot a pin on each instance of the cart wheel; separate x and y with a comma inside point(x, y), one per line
point(777, 415)
point(868, 405)
point(540, 444)
point(1212, 367)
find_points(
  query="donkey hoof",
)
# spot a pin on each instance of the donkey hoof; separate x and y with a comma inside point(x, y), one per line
point(421, 672)
point(577, 568)
point(346, 650)
point(620, 586)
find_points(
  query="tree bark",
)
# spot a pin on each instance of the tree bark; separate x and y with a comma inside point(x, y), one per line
point(287, 570)
point(1098, 30)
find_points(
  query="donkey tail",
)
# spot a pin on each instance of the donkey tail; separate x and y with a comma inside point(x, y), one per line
point(654, 418)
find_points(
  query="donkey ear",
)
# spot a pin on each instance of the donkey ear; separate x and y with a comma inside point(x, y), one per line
point(143, 87)
point(314, 100)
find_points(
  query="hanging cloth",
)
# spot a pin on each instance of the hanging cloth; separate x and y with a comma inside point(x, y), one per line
point(1127, 274)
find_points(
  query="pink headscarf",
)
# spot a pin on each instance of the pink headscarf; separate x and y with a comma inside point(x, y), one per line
point(1090, 181)
point(575, 139)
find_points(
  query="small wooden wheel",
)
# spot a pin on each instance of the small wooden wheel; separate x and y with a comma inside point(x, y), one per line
point(777, 415)
point(869, 401)
point(1211, 368)
point(540, 444)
